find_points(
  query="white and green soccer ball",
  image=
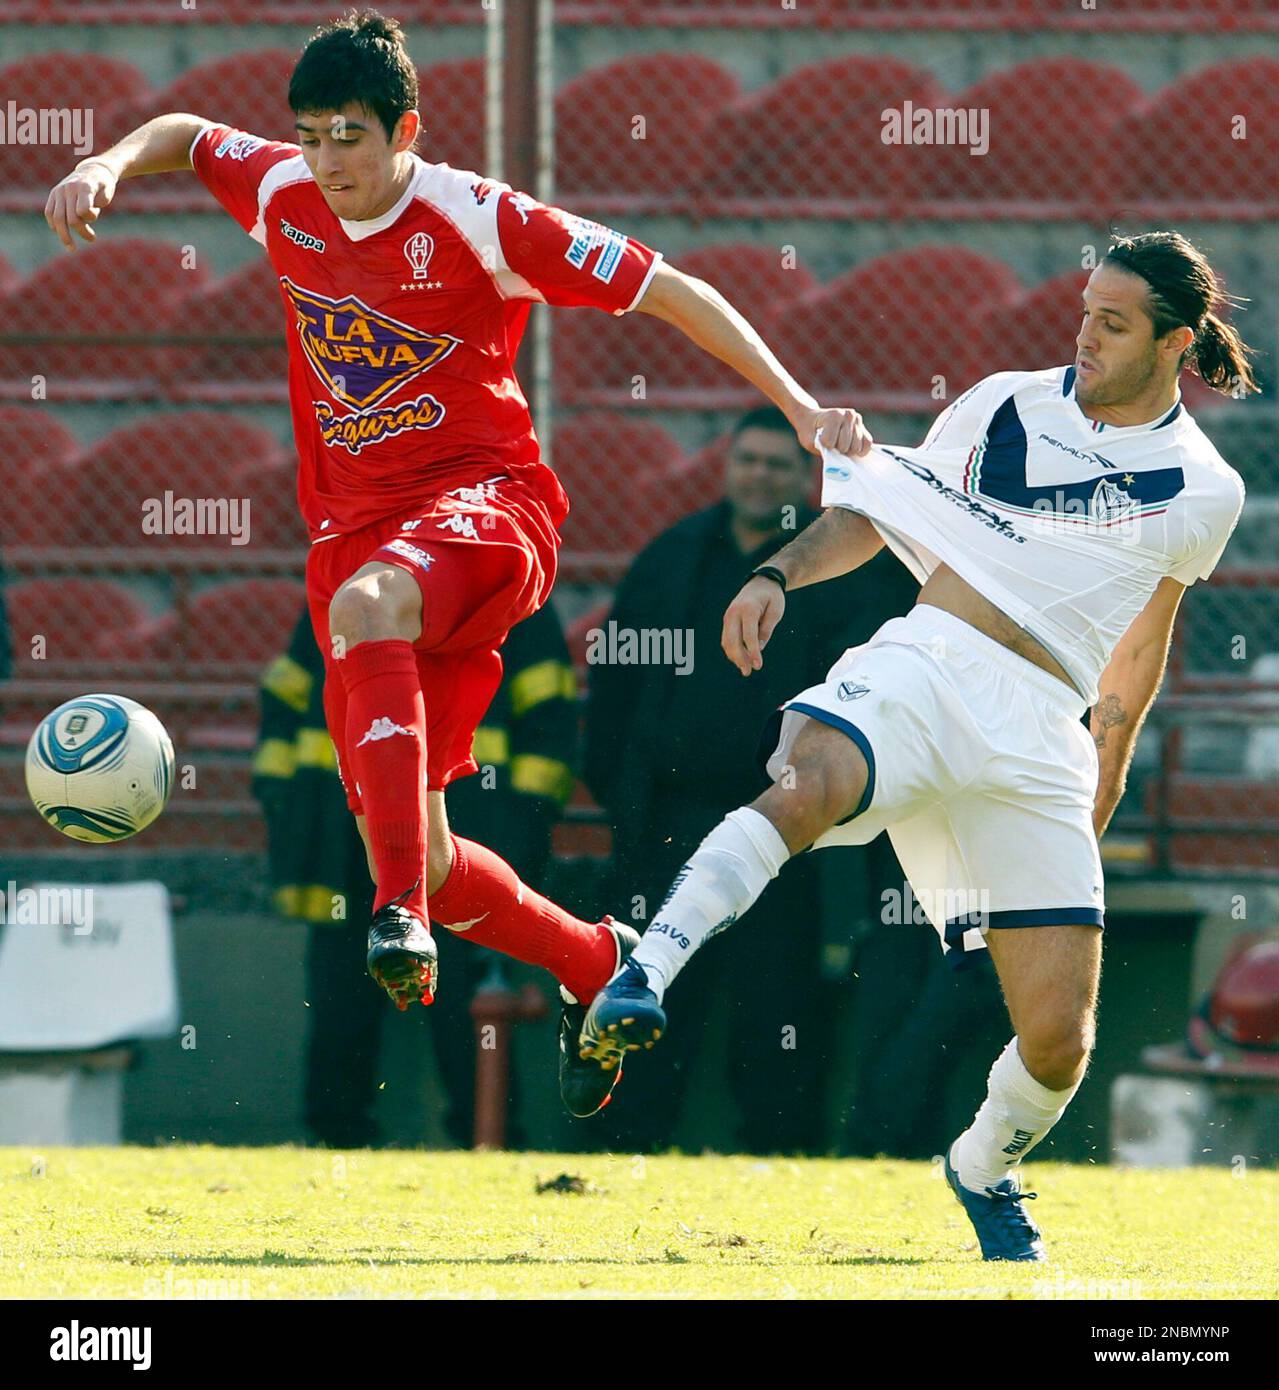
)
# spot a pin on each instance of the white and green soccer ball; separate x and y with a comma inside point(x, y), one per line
point(100, 768)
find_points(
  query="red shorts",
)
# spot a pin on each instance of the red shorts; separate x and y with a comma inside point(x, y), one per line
point(484, 558)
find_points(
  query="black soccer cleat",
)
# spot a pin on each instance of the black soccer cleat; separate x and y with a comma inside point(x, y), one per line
point(624, 1017)
point(584, 1086)
point(403, 957)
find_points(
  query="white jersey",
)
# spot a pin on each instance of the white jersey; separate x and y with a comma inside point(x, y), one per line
point(1064, 523)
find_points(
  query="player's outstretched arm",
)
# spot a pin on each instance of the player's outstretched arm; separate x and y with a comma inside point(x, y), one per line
point(702, 314)
point(837, 542)
point(1127, 689)
point(157, 147)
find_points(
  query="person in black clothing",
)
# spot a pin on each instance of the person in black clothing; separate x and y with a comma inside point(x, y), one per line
point(666, 750)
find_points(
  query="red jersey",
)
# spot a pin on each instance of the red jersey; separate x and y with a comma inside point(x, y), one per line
point(403, 329)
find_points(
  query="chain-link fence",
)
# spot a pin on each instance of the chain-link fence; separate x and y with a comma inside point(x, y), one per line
point(902, 197)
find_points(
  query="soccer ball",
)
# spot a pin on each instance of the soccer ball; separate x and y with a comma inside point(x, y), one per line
point(100, 768)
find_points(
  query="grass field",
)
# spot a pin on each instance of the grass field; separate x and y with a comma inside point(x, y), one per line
point(267, 1223)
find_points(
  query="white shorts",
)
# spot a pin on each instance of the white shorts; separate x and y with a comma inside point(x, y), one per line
point(980, 771)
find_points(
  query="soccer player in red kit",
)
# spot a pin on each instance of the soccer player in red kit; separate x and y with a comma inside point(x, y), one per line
point(433, 522)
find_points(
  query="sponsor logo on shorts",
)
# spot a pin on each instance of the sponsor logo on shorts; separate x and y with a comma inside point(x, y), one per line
point(460, 526)
point(383, 727)
point(411, 552)
point(852, 690)
point(304, 239)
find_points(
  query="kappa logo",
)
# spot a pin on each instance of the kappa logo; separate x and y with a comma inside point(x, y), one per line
point(480, 192)
point(461, 526)
point(304, 239)
point(852, 690)
point(383, 727)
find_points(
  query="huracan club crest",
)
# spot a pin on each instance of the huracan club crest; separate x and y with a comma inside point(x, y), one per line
point(418, 250)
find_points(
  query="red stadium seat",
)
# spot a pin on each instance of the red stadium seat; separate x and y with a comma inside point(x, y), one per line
point(1184, 143)
point(247, 302)
point(604, 461)
point(247, 90)
point(80, 621)
point(1035, 330)
point(189, 453)
point(815, 133)
point(229, 630)
point(38, 450)
point(451, 100)
point(598, 115)
point(43, 81)
point(896, 323)
point(1225, 800)
point(272, 490)
point(594, 350)
point(1051, 130)
point(128, 287)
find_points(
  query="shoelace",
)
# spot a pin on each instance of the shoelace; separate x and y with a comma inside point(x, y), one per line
point(1015, 1213)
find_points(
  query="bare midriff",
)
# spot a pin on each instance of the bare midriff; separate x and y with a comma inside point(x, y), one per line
point(946, 590)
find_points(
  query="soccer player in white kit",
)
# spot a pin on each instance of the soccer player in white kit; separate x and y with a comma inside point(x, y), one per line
point(1054, 519)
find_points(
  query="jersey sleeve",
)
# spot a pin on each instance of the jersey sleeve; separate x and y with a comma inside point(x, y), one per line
point(958, 425)
point(1208, 531)
point(232, 165)
point(568, 260)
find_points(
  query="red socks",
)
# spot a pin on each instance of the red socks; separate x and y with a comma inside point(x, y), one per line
point(505, 915)
point(386, 750)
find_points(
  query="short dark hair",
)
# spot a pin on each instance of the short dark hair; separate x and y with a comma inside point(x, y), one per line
point(764, 417)
point(1183, 291)
point(360, 59)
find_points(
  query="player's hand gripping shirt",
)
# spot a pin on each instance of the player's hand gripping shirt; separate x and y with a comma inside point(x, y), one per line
point(403, 330)
point(1065, 524)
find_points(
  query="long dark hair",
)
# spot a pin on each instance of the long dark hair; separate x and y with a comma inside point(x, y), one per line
point(1184, 291)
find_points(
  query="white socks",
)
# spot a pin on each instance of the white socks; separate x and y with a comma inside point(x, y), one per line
point(727, 872)
point(1014, 1117)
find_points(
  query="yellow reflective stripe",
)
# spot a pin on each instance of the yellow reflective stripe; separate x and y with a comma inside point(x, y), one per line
point(289, 682)
point(491, 746)
point(275, 757)
point(315, 749)
point(531, 772)
point(311, 901)
point(545, 680)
